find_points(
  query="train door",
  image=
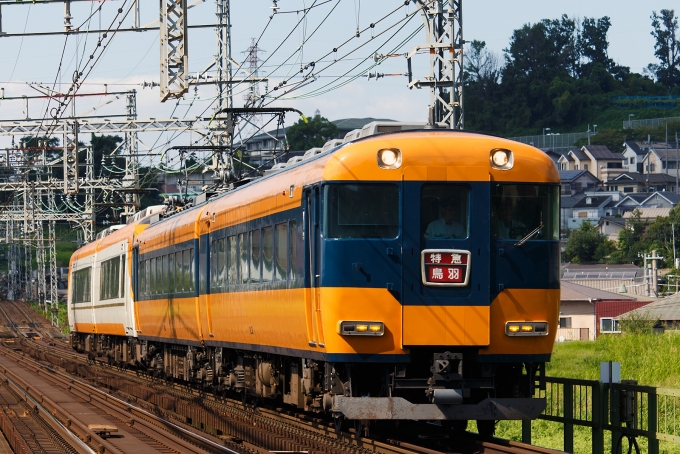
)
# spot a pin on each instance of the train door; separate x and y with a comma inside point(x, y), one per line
point(446, 270)
point(312, 239)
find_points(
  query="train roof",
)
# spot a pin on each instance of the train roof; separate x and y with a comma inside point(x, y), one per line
point(465, 159)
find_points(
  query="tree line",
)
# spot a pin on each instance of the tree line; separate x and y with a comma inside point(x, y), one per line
point(557, 73)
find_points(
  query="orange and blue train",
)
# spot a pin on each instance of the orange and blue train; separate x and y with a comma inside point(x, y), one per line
point(407, 274)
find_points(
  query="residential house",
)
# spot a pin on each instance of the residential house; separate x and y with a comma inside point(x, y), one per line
point(630, 182)
point(631, 201)
point(596, 159)
point(633, 155)
point(590, 209)
point(610, 226)
point(661, 158)
point(647, 214)
point(661, 200)
point(575, 181)
point(610, 278)
point(585, 312)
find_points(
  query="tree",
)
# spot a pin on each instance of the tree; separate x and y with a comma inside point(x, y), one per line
point(593, 44)
point(310, 134)
point(587, 245)
point(631, 240)
point(666, 48)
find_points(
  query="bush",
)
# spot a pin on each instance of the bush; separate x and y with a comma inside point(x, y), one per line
point(638, 322)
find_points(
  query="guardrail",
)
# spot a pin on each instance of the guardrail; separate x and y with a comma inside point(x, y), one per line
point(626, 409)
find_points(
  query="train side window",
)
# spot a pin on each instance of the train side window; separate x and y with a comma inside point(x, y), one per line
point(171, 273)
point(186, 283)
point(153, 276)
point(179, 286)
point(361, 211)
point(267, 254)
point(142, 279)
point(293, 249)
point(213, 264)
point(221, 263)
point(109, 276)
point(255, 255)
point(166, 277)
point(243, 261)
point(81, 285)
point(281, 251)
point(191, 270)
point(159, 276)
point(231, 259)
point(147, 265)
point(122, 276)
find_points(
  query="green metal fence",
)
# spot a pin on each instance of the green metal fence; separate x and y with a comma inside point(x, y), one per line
point(627, 410)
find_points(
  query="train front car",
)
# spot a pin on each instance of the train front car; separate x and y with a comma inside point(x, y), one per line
point(436, 258)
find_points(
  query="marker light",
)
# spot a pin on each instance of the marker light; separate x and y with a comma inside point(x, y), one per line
point(501, 159)
point(526, 328)
point(354, 328)
point(389, 158)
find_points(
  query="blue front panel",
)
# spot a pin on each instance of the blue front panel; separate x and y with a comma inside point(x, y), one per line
point(477, 292)
point(535, 264)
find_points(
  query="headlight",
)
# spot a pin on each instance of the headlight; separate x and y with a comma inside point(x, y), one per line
point(501, 159)
point(361, 328)
point(389, 158)
point(526, 328)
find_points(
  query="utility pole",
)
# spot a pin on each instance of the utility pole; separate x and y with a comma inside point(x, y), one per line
point(444, 42)
point(174, 49)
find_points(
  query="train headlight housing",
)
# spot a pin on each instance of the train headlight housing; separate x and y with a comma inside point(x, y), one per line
point(389, 158)
point(526, 328)
point(501, 159)
point(356, 328)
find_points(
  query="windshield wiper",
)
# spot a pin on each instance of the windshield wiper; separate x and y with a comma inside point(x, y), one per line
point(530, 234)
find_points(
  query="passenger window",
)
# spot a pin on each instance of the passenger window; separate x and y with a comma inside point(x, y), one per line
point(148, 277)
point(232, 259)
point(154, 284)
point(444, 211)
point(179, 285)
point(171, 271)
point(254, 256)
point(293, 249)
point(165, 273)
point(281, 252)
point(221, 263)
point(267, 254)
point(192, 277)
point(243, 262)
point(122, 276)
point(213, 264)
point(159, 276)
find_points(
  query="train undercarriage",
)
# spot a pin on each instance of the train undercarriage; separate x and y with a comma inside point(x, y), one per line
point(435, 385)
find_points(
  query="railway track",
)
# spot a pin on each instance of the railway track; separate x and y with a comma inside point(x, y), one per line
point(274, 429)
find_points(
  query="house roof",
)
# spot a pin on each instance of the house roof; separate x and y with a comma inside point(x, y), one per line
point(571, 175)
point(643, 178)
point(670, 154)
point(648, 213)
point(602, 152)
point(671, 197)
point(640, 151)
point(636, 197)
point(577, 268)
point(570, 201)
point(594, 201)
point(580, 155)
point(575, 292)
point(665, 309)
point(613, 219)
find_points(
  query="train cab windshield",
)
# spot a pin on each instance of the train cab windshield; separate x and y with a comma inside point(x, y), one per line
point(519, 209)
point(361, 211)
point(444, 211)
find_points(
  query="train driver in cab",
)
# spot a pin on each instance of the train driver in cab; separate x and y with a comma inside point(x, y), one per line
point(446, 226)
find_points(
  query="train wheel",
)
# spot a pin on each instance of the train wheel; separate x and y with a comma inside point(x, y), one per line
point(486, 428)
point(337, 421)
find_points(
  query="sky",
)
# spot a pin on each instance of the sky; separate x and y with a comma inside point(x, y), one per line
point(288, 39)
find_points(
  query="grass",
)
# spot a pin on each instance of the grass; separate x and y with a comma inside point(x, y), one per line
point(650, 359)
point(62, 315)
